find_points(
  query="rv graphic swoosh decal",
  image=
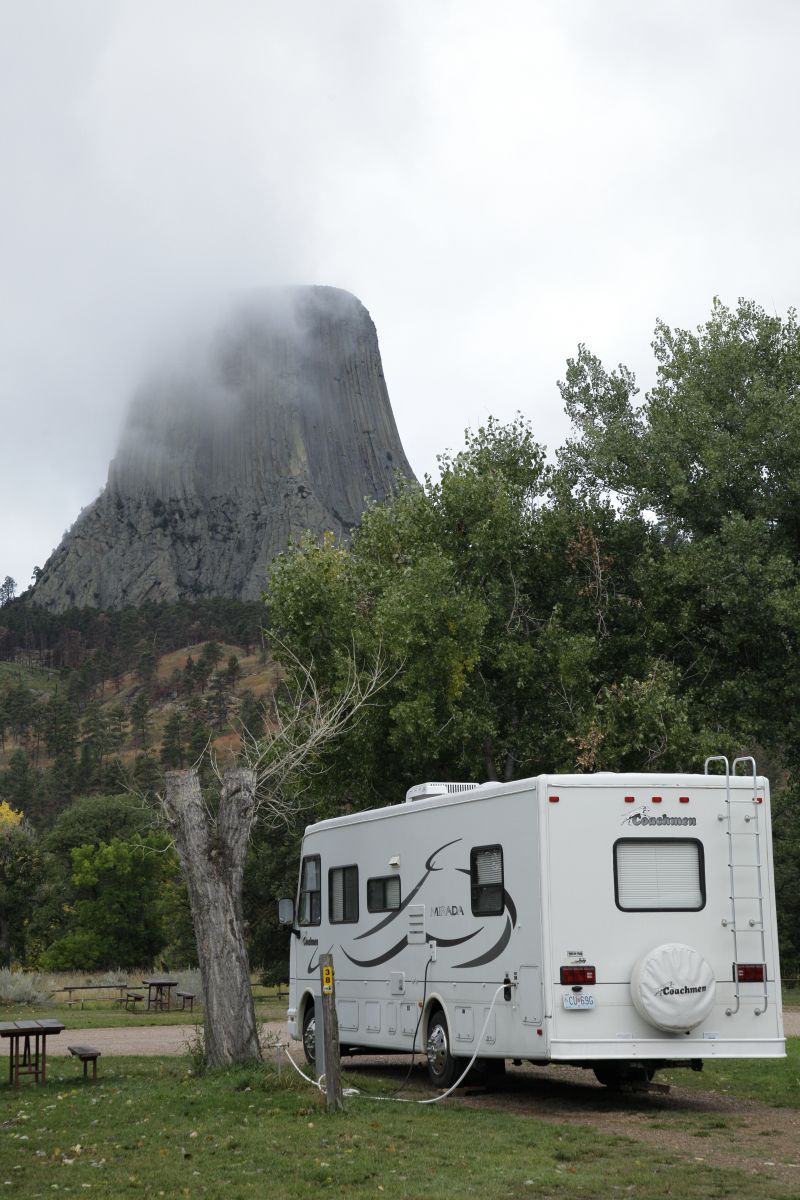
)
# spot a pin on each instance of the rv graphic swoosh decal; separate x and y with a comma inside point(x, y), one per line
point(401, 945)
point(382, 958)
point(395, 913)
point(312, 966)
point(440, 941)
point(496, 949)
point(511, 906)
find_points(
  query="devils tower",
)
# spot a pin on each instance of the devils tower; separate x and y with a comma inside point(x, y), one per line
point(277, 422)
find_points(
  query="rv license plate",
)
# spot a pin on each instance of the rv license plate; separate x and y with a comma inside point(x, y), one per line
point(578, 1000)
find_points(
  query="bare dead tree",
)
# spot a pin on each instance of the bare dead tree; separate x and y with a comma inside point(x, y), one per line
point(268, 784)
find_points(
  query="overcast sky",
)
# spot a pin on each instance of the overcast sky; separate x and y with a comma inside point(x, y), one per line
point(497, 182)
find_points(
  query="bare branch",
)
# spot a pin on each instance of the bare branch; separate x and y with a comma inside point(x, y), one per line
point(301, 727)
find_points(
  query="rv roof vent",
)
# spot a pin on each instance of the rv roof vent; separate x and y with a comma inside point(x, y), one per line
point(426, 791)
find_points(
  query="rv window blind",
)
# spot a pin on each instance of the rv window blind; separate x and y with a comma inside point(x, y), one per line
point(383, 894)
point(652, 874)
point(310, 891)
point(486, 880)
point(343, 895)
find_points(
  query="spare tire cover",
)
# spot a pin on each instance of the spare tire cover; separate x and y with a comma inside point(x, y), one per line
point(673, 987)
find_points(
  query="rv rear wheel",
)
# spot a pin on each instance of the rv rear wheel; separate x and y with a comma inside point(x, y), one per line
point(614, 1074)
point(310, 1036)
point(443, 1068)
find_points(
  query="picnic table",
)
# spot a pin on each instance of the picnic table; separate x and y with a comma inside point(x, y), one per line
point(119, 988)
point(33, 1060)
point(159, 992)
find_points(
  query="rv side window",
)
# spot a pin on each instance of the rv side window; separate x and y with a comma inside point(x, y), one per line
point(343, 895)
point(310, 906)
point(383, 895)
point(486, 880)
point(655, 874)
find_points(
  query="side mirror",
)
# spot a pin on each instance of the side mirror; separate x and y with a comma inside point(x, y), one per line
point(286, 912)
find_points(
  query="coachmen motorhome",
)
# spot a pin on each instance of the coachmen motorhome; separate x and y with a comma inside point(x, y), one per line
point(621, 923)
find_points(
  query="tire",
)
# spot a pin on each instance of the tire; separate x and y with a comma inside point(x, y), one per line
point(310, 1036)
point(443, 1068)
point(491, 1072)
point(614, 1074)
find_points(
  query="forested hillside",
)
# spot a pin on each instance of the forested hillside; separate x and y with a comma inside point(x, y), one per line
point(94, 707)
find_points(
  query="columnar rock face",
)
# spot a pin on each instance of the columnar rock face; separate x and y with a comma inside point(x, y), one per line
point(279, 422)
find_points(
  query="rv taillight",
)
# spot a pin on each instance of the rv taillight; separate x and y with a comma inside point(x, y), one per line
point(573, 975)
point(750, 972)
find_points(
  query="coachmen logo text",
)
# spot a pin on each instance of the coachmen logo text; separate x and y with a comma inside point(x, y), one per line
point(669, 989)
point(642, 817)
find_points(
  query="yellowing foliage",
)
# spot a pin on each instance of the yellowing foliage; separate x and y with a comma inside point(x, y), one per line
point(9, 817)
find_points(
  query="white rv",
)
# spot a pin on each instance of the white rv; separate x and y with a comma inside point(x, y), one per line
point(620, 922)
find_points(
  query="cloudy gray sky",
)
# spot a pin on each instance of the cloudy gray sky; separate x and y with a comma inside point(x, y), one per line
point(496, 182)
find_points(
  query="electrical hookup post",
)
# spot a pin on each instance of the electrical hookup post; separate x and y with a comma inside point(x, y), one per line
point(329, 1028)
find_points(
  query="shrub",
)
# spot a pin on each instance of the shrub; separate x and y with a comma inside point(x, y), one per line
point(23, 987)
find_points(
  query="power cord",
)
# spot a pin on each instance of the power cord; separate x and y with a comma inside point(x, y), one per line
point(394, 1096)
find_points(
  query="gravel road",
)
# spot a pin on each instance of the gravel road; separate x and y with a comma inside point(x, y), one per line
point(178, 1039)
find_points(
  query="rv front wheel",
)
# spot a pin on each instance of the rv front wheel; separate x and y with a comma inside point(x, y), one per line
point(310, 1036)
point(443, 1068)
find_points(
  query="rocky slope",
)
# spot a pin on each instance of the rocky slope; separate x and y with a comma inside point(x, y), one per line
point(277, 422)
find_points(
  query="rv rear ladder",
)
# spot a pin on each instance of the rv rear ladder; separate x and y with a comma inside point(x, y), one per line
point(755, 925)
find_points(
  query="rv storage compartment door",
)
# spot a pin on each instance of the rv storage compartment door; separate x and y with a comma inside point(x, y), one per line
point(464, 1023)
point(529, 995)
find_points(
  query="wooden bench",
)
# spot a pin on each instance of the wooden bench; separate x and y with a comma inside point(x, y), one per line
point(132, 999)
point(87, 1054)
point(183, 997)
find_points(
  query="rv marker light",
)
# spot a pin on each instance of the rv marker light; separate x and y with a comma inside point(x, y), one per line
point(683, 799)
point(553, 799)
point(656, 799)
point(630, 799)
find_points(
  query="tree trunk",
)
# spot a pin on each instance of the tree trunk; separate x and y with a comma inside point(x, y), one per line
point(212, 851)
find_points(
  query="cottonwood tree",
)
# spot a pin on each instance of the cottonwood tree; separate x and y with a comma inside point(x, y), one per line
point(211, 830)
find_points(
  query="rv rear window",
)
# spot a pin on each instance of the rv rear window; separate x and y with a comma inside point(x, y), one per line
point(343, 895)
point(383, 894)
point(486, 880)
point(310, 891)
point(655, 874)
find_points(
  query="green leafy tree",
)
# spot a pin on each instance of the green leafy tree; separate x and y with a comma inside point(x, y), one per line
point(89, 820)
point(117, 916)
point(711, 459)
point(509, 609)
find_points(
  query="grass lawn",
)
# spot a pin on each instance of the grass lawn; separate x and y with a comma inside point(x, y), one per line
point(100, 1015)
point(152, 1128)
point(772, 1081)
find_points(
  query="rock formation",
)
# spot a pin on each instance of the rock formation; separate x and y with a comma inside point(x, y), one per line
point(277, 423)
